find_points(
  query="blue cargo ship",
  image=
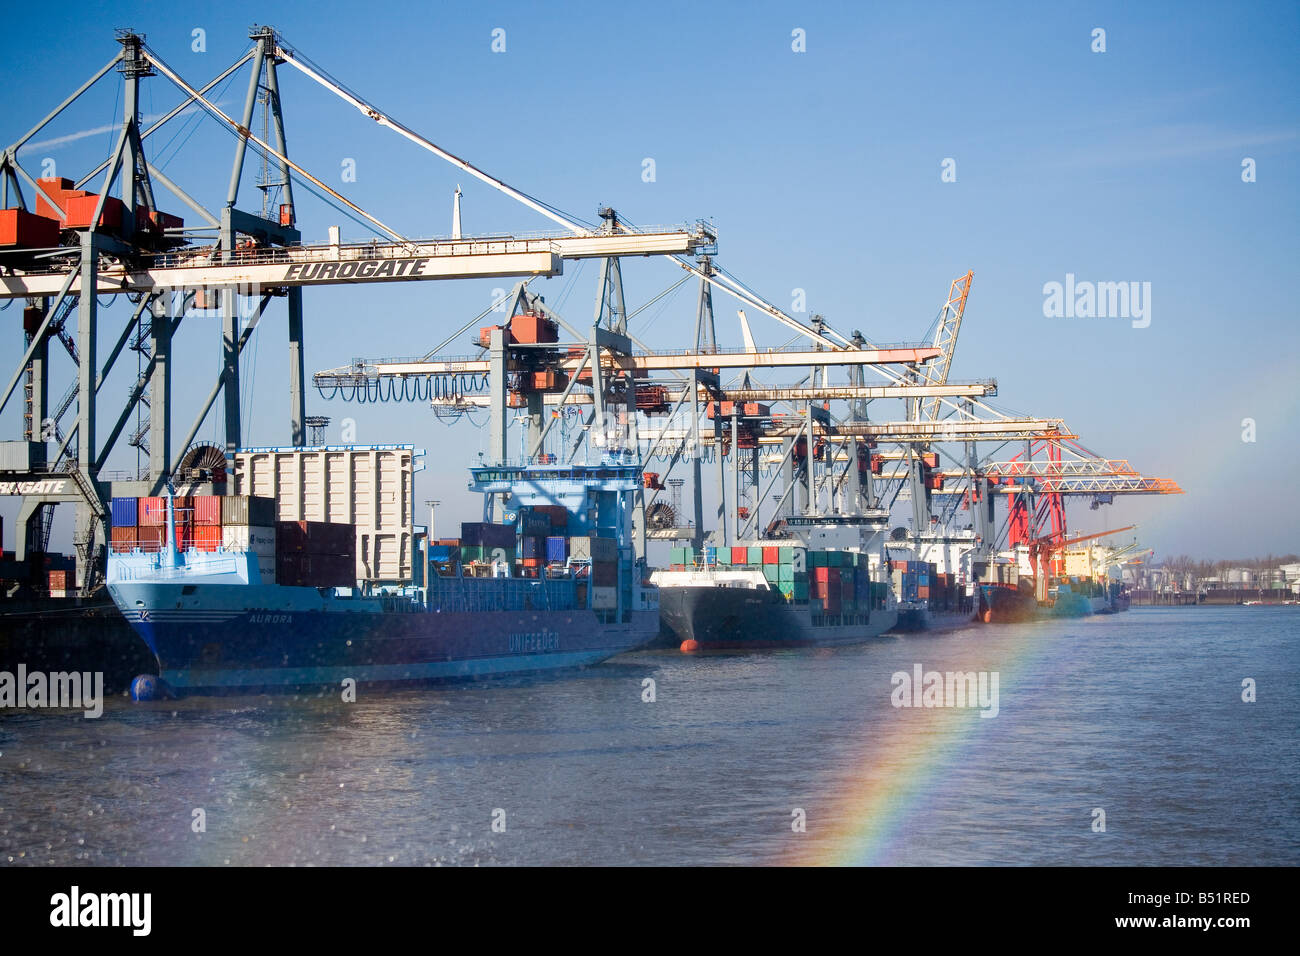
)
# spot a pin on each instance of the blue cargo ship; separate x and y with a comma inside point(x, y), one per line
point(214, 626)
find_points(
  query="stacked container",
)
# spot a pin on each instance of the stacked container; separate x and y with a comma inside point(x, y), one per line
point(315, 554)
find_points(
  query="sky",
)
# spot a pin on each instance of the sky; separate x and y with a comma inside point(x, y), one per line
point(902, 146)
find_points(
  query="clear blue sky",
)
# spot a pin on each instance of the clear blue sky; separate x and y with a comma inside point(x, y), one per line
point(821, 170)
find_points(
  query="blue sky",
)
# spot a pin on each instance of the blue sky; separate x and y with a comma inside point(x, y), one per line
point(821, 171)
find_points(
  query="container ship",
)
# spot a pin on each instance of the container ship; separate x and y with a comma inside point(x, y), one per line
point(931, 576)
point(260, 604)
point(778, 593)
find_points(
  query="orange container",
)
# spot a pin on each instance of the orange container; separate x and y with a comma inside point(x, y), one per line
point(123, 539)
point(23, 229)
point(207, 537)
point(740, 555)
point(529, 327)
point(771, 555)
point(81, 209)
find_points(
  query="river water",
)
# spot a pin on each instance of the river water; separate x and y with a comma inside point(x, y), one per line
point(1134, 722)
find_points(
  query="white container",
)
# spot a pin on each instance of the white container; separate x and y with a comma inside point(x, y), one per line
point(604, 599)
point(369, 486)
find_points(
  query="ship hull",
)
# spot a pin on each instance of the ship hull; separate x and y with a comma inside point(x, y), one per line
point(223, 639)
point(72, 634)
point(722, 618)
point(1002, 605)
point(924, 620)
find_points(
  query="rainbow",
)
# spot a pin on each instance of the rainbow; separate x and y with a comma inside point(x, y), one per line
point(888, 786)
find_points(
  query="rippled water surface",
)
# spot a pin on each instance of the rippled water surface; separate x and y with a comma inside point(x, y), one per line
point(1139, 715)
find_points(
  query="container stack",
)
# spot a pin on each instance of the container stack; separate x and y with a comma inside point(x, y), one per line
point(248, 524)
point(484, 542)
point(603, 555)
point(315, 554)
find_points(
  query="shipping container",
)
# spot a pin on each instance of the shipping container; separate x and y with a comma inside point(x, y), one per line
point(123, 538)
point(302, 569)
point(243, 537)
point(485, 534)
point(771, 573)
point(151, 512)
point(207, 537)
point(150, 537)
point(21, 229)
point(604, 598)
point(206, 510)
point(315, 537)
point(755, 555)
point(532, 548)
point(557, 549)
point(123, 512)
point(740, 555)
point(81, 210)
point(604, 574)
point(531, 328)
point(771, 555)
point(248, 510)
point(603, 549)
point(368, 488)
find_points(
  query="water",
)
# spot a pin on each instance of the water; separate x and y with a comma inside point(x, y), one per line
point(1138, 714)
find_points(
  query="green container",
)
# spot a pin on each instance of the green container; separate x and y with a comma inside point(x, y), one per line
point(771, 573)
point(800, 590)
point(688, 555)
point(787, 591)
point(818, 559)
point(785, 555)
point(755, 555)
point(785, 574)
point(724, 556)
point(470, 552)
point(677, 556)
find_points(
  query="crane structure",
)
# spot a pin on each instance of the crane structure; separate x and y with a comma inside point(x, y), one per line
point(104, 238)
point(785, 451)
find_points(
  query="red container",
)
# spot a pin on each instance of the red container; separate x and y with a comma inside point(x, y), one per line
point(81, 209)
point(530, 327)
point(206, 511)
point(532, 562)
point(485, 336)
point(150, 538)
point(123, 539)
point(740, 555)
point(58, 580)
point(207, 537)
point(771, 555)
point(823, 574)
point(151, 512)
point(923, 590)
point(22, 229)
point(316, 537)
point(56, 187)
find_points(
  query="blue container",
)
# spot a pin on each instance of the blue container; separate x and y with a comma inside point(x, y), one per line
point(557, 549)
point(533, 547)
point(124, 512)
point(710, 555)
